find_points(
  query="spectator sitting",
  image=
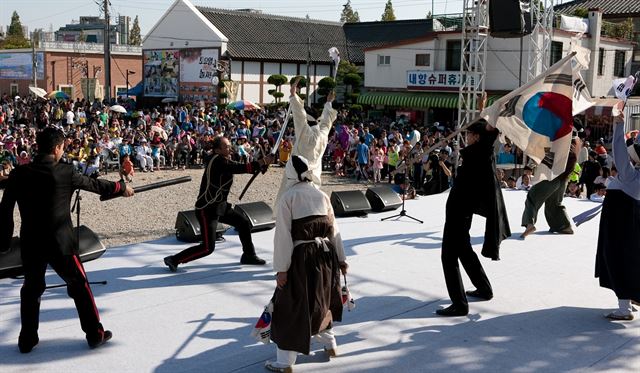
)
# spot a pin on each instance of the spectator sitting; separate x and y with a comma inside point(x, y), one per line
point(143, 155)
point(526, 182)
point(24, 158)
point(573, 190)
point(506, 155)
point(126, 169)
point(599, 193)
point(528, 171)
point(511, 182)
point(501, 180)
point(7, 167)
point(604, 178)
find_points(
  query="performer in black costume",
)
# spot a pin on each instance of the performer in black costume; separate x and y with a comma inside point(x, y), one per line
point(212, 206)
point(475, 190)
point(43, 192)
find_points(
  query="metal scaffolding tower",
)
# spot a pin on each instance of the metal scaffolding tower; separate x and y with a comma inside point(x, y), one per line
point(539, 56)
point(473, 58)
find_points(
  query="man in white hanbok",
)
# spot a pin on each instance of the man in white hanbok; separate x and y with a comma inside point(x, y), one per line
point(311, 140)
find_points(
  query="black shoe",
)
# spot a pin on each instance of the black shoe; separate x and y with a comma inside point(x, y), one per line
point(252, 259)
point(173, 266)
point(453, 311)
point(479, 294)
point(102, 338)
point(26, 344)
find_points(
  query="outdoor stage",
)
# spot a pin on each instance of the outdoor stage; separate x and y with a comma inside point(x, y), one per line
point(546, 314)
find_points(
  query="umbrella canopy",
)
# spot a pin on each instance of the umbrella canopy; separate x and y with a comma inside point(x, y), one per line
point(118, 109)
point(58, 94)
point(243, 105)
point(631, 134)
point(39, 92)
point(169, 99)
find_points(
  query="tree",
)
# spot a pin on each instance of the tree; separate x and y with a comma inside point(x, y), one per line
point(348, 15)
point(581, 12)
point(277, 80)
point(388, 14)
point(15, 28)
point(14, 38)
point(134, 34)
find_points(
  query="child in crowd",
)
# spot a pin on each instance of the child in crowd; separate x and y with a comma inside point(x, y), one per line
point(378, 159)
point(126, 168)
point(24, 158)
point(511, 182)
point(599, 193)
point(526, 182)
point(573, 190)
point(338, 157)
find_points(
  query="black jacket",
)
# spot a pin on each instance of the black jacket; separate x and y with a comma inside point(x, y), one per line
point(476, 190)
point(43, 191)
point(217, 180)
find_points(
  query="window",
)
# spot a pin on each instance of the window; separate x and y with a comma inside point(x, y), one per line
point(66, 88)
point(556, 51)
point(121, 90)
point(454, 49)
point(384, 60)
point(618, 65)
point(13, 90)
point(601, 56)
point(423, 59)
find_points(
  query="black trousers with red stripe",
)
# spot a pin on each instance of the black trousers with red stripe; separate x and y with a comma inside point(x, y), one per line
point(70, 269)
point(208, 219)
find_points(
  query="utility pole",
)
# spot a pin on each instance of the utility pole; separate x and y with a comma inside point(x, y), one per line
point(107, 52)
point(306, 99)
point(34, 62)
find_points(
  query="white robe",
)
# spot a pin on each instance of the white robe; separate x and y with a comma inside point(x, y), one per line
point(311, 141)
point(301, 200)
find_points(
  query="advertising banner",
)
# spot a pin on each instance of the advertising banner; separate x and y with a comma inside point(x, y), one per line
point(161, 73)
point(198, 68)
point(20, 66)
point(423, 80)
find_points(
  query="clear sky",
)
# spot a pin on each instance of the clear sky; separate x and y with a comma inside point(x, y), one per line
point(57, 13)
point(42, 13)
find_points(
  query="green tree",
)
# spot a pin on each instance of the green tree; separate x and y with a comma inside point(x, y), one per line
point(581, 12)
point(15, 36)
point(15, 28)
point(348, 15)
point(277, 80)
point(326, 85)
point(388, 14)
point(134, 34)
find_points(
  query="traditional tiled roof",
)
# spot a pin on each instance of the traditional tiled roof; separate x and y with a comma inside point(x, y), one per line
point(363, 35)
point(278, 38)
point(262, 36)
point(608, 7)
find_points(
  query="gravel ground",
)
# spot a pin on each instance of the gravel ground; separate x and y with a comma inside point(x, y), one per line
point(152, 215)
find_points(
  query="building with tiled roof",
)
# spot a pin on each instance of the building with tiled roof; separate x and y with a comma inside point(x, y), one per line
point(609, 8)
point(257, 45)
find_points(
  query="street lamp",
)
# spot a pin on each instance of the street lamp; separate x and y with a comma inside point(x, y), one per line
point(129, 72)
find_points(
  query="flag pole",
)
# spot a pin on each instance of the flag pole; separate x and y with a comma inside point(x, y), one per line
point(506, 98)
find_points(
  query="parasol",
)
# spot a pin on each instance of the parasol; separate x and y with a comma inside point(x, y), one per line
point(242, 105)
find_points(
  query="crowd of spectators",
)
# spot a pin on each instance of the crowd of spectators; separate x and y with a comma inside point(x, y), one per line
point(176, 136)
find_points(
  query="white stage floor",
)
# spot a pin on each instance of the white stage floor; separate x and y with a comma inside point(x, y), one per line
point(547, 313)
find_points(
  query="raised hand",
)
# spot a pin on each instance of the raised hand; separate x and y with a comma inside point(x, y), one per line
point(331, 96)
point(294, 86)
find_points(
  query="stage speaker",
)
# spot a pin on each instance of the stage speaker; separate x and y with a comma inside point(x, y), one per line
point(188, 227)
point(350, 203)
point(507, 19)
point(259, 214)
point(383, 198)
point(90, 248)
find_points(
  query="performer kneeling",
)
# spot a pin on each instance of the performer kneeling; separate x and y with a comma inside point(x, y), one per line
point(618, 255)
point(43, 191)
point(212, 206)
point(308, 257)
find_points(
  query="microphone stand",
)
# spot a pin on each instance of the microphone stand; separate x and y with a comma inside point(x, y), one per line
point(76, 208)
point(403, 212)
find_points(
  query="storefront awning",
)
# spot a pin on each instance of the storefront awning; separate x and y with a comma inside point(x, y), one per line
point(414, 100)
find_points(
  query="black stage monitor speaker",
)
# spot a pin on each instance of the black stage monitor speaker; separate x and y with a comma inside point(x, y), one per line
point(259, 214)
point(383, 198)
point(349, 203)
point(188, 227)
point(90, 248)
point(508, 20)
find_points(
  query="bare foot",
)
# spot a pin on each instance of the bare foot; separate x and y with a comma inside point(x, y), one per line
point(530, 229)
